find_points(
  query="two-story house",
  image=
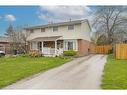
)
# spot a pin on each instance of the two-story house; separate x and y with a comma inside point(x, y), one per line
point(54, 38)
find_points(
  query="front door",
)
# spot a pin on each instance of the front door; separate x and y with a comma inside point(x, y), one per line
point(40, 46)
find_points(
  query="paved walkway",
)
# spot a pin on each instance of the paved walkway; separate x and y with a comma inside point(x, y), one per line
point(81, 73)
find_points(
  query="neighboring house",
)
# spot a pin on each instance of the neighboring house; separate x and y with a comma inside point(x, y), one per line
point(54, 38)
point(5, 44)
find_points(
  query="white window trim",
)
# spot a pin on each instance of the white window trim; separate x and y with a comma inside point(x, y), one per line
point(71, 25)
point(41, 30)
point(55, 31)
point(71, 30)
point(75, 45)
point(34, 45)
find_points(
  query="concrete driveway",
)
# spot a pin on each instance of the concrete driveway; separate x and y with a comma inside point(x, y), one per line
point(81, 73)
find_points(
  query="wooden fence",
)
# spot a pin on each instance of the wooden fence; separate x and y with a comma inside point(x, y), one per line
point(121, 51)
point(103, 49)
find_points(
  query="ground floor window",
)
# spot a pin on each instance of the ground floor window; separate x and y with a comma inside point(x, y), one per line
point(70, 45)
point(34, 46)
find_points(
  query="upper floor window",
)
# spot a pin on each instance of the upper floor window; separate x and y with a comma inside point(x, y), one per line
point(42, 29)
point(71, 27)
point(55, 28)
point(31, 31)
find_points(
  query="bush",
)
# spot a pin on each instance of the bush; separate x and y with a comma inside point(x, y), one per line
point(69, 53)
point(25, 55)
point(2, 54)
point(34, 53)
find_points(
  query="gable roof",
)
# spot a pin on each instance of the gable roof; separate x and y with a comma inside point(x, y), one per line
point(58, 24)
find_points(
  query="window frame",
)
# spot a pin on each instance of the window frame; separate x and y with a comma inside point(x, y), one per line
point(70, 28)
point(31, 30)
point(43, 29)
point(34, 45)
point(70, 45)
point(55, 27)
point(75, 45)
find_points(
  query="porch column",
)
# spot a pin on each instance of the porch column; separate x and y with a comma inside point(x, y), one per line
point(55, 47)
point(42, 46)
point(30, 45)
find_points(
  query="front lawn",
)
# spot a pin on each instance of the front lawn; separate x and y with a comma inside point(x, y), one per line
point(13, 69)
point(115, 74)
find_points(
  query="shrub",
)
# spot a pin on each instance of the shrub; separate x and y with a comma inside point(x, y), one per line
point(61, 56)
point(25, 55)
point(34, 53)
point(69, 53)
point(2, 54)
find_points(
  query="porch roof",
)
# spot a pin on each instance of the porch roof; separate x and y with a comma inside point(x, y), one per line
point(52, 38)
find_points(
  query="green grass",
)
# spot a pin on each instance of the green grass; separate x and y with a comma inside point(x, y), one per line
point(13, 69)
point(115, 74)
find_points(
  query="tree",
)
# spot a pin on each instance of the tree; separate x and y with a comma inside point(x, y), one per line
point(22, 38)
point(110, 20)
point(102, 40)
point(17, 38)
point(9, 31)
point(11, 35)
point(95, 36)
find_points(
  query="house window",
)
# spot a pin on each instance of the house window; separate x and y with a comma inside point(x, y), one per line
point(42, 29)
point(55, 28)
point(31, 31)
point(70, 45)
point(71, 27)
point(34, 46)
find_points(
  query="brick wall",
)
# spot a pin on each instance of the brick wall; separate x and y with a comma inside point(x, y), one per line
point(83, 47)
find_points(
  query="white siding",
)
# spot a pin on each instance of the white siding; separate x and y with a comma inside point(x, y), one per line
point(81, 31)
point(85, 31)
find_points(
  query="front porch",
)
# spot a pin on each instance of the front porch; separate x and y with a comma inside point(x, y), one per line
point(52, 46)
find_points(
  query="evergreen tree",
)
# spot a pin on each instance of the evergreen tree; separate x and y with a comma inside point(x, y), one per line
point(10, 31)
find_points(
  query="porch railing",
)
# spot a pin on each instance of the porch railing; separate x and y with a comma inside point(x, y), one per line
point(51, 51)
point(48, 51)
